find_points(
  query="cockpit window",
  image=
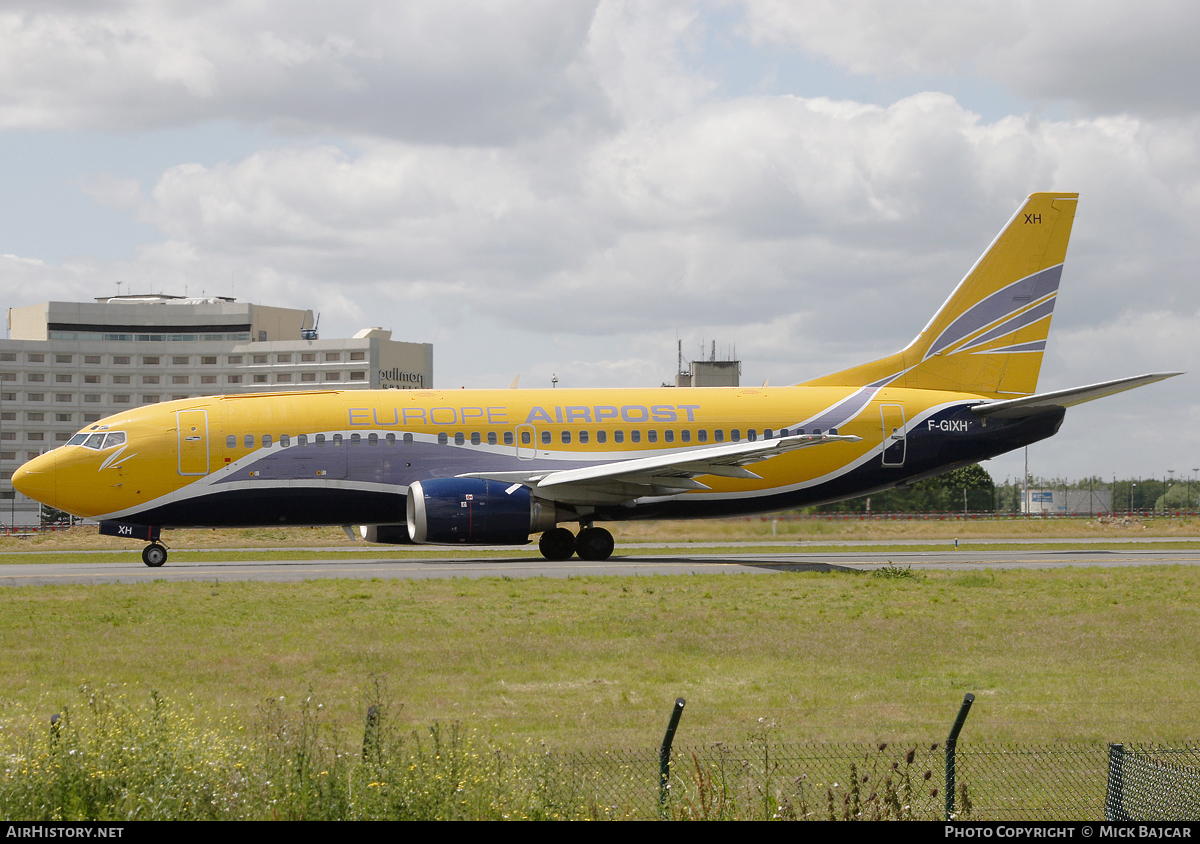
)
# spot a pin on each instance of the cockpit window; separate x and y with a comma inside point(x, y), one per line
point(77, 439)
point(114, 438)
point(94, 441)
point(98, 440)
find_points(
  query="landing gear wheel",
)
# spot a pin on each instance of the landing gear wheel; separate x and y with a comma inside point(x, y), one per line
point(154, 555)
point(557, 544)
point(594, 544)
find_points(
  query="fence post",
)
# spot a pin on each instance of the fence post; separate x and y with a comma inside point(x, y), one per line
point(664, 755)
point(951, 745)
point(1114, 794)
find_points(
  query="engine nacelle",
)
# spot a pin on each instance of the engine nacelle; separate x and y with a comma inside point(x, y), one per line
point(475, 511)
point(386, 534)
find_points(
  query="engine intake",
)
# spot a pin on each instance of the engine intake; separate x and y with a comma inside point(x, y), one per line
point(476, 511)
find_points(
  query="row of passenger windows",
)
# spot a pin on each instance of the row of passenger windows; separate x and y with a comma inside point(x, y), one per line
point(493, 438)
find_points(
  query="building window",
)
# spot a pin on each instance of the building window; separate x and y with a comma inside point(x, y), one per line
point(120, 399)
point(208, 379)
point(333, 356)
point(121, 359)
point(284, 377)
point(91, 358)
point(91, 379)
point(358, 356)
point(35, 417)
point(180, 379)
point(150, 360)
point(8, 376)
point(36, 377)
point(91, 417)
point(180, 360)
point(63, 397)
point(308, 376)
point(63, 358)
point(235, 358)
point(61, 378)
point(149, 399)
point(283, 358)
point(36, 358)
point(260, 358)
point(8, 396)
point(333, 376)
point(62, 417)
point(35, 397)
point(9, 416)
point(8, 435)
point(308, 357)
point(178, 398)
point(208, 361)
point(120, 379)
point(233, 379)
point(35, 436)
point(8, 455)
point(149, 379)
point(62, 437)
point(8, 356)
point(358, 376)
point(91, 397)
point(260, 379)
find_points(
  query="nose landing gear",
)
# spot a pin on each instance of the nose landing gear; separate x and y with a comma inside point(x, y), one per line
point(154, 555)
point(592, 543)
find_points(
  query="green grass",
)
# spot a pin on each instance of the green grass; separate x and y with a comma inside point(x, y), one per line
point(1078, 654)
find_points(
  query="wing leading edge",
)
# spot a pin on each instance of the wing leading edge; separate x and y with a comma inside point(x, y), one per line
point(665, 474)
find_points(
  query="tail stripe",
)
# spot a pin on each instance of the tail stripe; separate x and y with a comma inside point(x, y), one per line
point(997, 306)
point(1035, 346)
point(1039, 311)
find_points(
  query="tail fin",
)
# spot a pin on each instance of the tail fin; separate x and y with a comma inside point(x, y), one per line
point(989, 336)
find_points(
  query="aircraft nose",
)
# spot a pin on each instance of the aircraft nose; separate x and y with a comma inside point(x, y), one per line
point(36, 479)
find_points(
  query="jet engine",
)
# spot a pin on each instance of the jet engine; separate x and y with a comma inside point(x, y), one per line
point(476, 511)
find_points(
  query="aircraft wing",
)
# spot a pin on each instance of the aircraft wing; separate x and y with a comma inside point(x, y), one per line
point(666, 474)
point(1033, 405)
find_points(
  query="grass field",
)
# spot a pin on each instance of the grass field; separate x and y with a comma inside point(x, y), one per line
point(592, 662)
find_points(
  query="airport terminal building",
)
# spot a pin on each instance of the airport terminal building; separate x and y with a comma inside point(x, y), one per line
point(66, 364)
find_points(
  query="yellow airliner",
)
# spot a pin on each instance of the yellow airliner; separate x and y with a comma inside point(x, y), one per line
point(495, 466)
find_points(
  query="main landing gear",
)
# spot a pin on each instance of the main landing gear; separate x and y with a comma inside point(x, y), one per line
point(592, 543)
point(154, 555)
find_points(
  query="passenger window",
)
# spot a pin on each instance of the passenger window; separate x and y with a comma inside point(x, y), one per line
point(491, 437)
point(319, 439)
point(783, 432)
point(442, 439)
point(752, 435)
point(266, 440)
point(601, 436)
point(702, 436)
point(231, 441)
point(669, 436)
point(546, 437)
point(719, 436)
point(652, 436)
point(566, 437)
point(248, 440)
point(337, 439)
point(766, 433)
point(583, 437)
point(685, 436)
point(635, 436)
point(508, 438)
point(799, 432)
point(284, 440)
point(356, 439)
point(372, 439)
point(618, 436)
point(833, 432)
point(459, 439)
point(525, 438)
point(390, 439)
point(408, 439)
point(475, 438)
point(302, 439)
point(816, 431)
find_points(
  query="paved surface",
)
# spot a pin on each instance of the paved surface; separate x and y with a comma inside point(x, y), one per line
point(625, 563)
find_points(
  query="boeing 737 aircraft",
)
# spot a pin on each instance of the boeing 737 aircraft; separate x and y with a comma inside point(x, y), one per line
point(495, 466)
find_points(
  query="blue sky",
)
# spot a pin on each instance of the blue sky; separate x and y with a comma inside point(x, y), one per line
point(567, 188)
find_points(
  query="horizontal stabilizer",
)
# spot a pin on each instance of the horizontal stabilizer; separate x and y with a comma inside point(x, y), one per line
point(1040, 403)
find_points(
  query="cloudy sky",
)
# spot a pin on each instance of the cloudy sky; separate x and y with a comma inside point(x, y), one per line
point(568, 188)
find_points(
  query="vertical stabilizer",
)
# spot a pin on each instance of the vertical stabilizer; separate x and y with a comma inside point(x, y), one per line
point(990, 334)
